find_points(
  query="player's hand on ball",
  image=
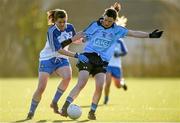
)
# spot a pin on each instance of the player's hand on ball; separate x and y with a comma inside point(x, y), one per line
point(155, 34)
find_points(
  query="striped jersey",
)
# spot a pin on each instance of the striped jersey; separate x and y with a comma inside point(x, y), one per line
point(53, 41)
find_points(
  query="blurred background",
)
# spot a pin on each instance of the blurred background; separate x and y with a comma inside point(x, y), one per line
point(24, 24)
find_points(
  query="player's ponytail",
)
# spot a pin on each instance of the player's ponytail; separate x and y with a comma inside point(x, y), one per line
point(53, 15)
point(119, 20)
point(116, 6)
point(50, 17)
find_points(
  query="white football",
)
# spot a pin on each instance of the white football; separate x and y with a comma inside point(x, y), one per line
point(74, 111)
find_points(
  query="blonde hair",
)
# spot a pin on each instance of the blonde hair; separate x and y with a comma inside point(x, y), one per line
point(53, 15)
point(119, 20)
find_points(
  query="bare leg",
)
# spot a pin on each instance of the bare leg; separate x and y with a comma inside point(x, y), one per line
point(82, 80)
point(120, 83)
point(43, 78)
point(66, 74)
point(107, 87)
point(100, 79)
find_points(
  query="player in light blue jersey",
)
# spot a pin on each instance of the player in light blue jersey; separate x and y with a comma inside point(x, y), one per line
point(114, 70)
point(51, 61)
point(100, 40)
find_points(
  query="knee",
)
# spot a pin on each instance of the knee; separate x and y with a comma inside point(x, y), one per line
point(67, 78)
point(80, 86)
point(40, 90)
point(99, 88)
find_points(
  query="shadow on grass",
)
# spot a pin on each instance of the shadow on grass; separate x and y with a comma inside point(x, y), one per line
point(82, 121)
point(25, 120)
point(41, 121)
point(100, 105)
point(55, 121)
point(61, 121)
point(19, 121)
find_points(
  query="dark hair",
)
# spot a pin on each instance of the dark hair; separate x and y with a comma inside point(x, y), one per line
point(53, 15)
point(110, 12)
point(113, 10)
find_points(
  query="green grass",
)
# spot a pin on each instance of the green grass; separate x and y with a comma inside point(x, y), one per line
point(147, 100)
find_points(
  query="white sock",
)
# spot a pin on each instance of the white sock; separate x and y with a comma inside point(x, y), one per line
point(122, 82)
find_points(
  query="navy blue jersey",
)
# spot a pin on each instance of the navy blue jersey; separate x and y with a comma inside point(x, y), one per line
point(54, 37)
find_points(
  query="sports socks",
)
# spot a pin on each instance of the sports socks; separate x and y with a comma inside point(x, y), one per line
point(106, 99)
point(33, 106)
point(122, 81)
point(57, 95)
point(69, 100)
point(93, 107)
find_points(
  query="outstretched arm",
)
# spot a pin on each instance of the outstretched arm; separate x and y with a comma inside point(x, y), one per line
point(140, 34)
point(67, 52)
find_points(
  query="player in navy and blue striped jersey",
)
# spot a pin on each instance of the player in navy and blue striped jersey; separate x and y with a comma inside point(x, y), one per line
point(51, 61)
point(101, 39)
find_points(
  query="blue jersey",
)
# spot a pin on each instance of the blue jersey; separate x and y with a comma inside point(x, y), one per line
point(54, 38)
point(101, 40)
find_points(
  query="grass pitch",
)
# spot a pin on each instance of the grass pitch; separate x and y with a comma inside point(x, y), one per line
point(147, 100)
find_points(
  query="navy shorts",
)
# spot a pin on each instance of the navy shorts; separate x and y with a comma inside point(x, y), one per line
point(94, 66)
point(52, 64)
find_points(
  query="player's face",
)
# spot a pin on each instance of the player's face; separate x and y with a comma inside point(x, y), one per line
point(107, 21)
point(61, 23)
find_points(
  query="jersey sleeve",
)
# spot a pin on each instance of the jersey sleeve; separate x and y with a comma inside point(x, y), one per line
point(89, 31)
point(90, 28)
point(123, 47)
point(73, 30)
point(121, 32)
point(53, 41)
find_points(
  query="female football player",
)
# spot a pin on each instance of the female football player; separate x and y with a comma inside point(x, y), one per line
point(100, 40)
point(114, 69)
point(52, 61)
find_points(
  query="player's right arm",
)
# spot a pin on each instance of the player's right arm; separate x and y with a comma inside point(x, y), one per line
point(74, 39)
point(79, 56)
point(122, 49)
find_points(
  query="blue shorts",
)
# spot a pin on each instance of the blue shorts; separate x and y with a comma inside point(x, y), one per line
point(115, 71)
point(52, 64)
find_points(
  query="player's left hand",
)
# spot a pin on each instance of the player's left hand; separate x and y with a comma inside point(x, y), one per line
point(155, 34)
